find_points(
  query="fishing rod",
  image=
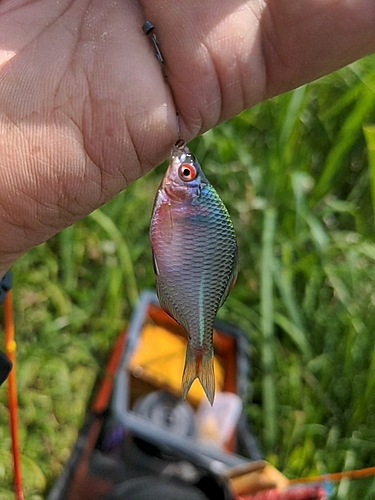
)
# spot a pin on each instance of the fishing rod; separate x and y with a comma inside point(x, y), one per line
point(8, 370)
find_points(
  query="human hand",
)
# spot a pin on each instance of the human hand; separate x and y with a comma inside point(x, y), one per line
point(86, 109)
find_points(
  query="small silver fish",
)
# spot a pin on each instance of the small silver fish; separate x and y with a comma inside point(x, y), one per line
point(195, 259)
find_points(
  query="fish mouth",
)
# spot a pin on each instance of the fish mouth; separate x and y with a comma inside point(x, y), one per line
point(179, 148)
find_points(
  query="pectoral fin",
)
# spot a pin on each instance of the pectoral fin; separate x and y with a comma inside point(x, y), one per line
point(155, 264)
point(166, 222)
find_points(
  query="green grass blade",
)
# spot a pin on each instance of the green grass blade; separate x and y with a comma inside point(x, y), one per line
point(123, 252)
point(67, 249)
point(284, 279)
point(296, 334)
point(369, 132)
point(290, 120)
point(267, 328)
point(347, 136)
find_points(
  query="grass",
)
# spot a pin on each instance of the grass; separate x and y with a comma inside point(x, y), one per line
point(297, 174)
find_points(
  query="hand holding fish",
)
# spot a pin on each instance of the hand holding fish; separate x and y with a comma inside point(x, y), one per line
point(86, 108)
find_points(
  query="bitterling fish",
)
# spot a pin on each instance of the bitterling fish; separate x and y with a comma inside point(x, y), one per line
point(195, 259)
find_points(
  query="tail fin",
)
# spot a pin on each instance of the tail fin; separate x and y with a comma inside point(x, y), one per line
point(201, 367)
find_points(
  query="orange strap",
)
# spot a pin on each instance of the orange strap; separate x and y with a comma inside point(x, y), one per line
point(336, 476)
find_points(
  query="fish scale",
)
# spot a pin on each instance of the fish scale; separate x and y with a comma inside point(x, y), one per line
point(195, 256)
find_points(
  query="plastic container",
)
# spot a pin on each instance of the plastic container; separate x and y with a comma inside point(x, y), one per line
point(216, 424)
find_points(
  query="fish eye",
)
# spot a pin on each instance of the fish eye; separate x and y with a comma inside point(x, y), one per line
point(187, 172)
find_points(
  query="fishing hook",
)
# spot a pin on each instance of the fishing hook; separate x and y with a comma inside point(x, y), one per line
point(148, 28)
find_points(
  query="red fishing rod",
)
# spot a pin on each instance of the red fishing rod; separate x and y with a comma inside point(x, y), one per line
point(8, 369)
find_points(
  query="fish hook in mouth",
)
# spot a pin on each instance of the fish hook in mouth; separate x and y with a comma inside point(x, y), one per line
point(180, 145)
point(179, 151)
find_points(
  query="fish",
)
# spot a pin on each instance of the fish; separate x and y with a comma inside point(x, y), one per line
point(195, 257)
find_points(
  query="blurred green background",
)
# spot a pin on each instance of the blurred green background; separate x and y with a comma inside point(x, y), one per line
point(297, 174)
